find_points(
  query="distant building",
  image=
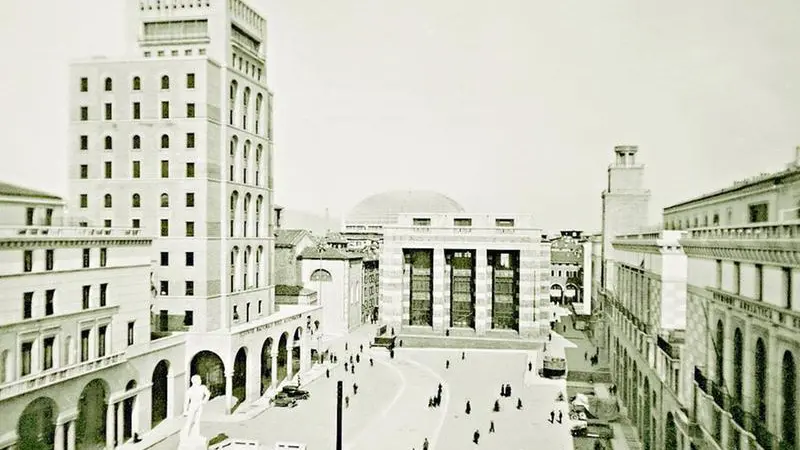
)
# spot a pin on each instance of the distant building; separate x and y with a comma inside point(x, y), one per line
point(476, 274)
point(372, 286)
point(289, 290)
point(570, 259)
point(337, 277)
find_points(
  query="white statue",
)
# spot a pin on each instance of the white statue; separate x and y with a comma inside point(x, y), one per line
point(196, 396)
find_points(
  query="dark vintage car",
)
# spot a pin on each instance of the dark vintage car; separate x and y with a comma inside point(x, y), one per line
point(284, 401)
point(295, 392)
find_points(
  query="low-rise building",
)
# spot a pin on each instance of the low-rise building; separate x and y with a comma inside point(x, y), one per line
point(336, 275)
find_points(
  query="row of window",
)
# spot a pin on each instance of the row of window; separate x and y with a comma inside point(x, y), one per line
point(758, 282)
point(188, 288)
point(461, 222)
point(30, 214)
point(28, 300)
point(245, 66)
point(756, 213)
point(135, 171)
point(187, 52)
point(188, 259)
point(136, 201)
point(48, 345)
point(136, 83)
point(136, 111)
point(49, 259)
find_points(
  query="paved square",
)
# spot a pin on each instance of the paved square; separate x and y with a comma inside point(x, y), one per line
point(391, 410)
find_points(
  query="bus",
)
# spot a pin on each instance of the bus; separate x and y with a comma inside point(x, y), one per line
point(554, 362)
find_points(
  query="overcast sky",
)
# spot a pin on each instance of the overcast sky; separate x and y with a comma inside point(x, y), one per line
point(506, 105)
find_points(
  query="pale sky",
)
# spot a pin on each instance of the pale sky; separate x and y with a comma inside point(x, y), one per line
point(505, 105)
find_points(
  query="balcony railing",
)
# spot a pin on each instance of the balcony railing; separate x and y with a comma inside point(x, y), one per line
point(57, 375)
point(772, 313)
point(764, 230)
point(68, 232)
point(747, 421)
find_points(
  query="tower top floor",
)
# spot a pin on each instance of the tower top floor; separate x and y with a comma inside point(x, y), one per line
point(625, 156)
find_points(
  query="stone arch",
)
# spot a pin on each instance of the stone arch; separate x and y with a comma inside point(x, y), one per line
point(635, 394)
point(259, 263)
point(234, 261)
point(159, 393)
point(283, 342)
point(321, 275)
point(211, 369)
point(556, 293)
point(258, 214)
point(232, 103)
point(571, 287)
point(247, 260)
point(259, 112)
point(266, 365)
point(718, 343)
point(296, 338)
point(670, 432)
point(245, 107)
point(240, 375)
point(233, 213)
point(92, 405)
point(760, 379)
point(36, 426)
point(233, 161)
point(246, 212)
point(646, 408)
point(738, 365)
point(245, 159)
point(789, 395)
point(259, 162)
point(128, 416)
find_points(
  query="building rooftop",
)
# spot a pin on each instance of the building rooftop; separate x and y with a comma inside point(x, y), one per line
point(12, 190)
point(328, 253)
point(289, 238)
point(383, 208)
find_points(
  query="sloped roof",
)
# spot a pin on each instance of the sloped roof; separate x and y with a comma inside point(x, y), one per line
point(328, 253)
point(12, 190)
point(289, 238)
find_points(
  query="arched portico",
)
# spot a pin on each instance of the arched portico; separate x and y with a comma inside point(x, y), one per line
point(571, 293)
point(556, 293)
point(282, 358)
point(93, 417)
point(266, 365)
point(296, 357)
point(789, 394)
point(240, 376)
point(159, 392)
point(127, 411)
point(670, 432)
point(646, 434)
point(211, 369)
point(36, 427)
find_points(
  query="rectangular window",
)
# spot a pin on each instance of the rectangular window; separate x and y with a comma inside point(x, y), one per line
point(137, 110)
point(165, 110)
point(189, 229)
point(189, 288)
point(189, 259)
point(27, 260)
point(101, 341)
point(103, 294)
point(136, 223)
point(164, 259)
point(462, 222)
point(758, 212)
point(719, 274)
point(84, 84)
point(86, 291)
point(190, 170)
point(788, 287)
point(85, 345)
point(136, 169)
point(190, 81)
point(87, 253)
point(190, 110)
point(107, 223)
point(47, 352)
point(259, 306)
point(759, 282)
point(29, 216)
point(84, 171)
point(27, 352)
point(108, 169)
point(130, 332)
point(164, 227)
point(84, 113)
point(422, 222)
point(84, 142)
point(84, 201)
point(737, 278)
point(188, 318)
point(27, 305)
point(108, 111)
point(49, 302)
point(189, 140)
point(504, 222)
point(164, 168)
point(49, 259)
point(190, 199)
point(164, 287)
point(103, 257)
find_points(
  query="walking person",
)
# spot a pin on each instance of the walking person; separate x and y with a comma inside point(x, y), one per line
point(503, 390)
point(425, 444)
point(358, 358)
point(468, 409)
point(508, 390)
point(491, 426)
point(355, 389)
point(530, 366)
point(347, 402)
point(371, 362)
point(463, 355)
point(496, 406)
point(353, 369)
point(519, 403)
point(552, 416)
point(447, 364)
point(327, 373)
point(560, 416)
point(361, 348)
point(345, 346)
point(345, 366)
point(475, 436)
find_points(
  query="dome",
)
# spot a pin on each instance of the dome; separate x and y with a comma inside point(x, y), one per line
point(383, 208)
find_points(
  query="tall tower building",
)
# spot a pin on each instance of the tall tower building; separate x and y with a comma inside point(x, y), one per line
point(626, 204)
point(175, 138)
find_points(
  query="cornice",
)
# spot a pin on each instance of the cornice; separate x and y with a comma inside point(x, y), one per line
point(781, 252)
point(32, 243)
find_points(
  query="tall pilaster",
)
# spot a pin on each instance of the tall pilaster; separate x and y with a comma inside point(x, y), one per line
point(482, 299)
point(405, 302)
point(527, 291)
point(438, 290)
point(228, 391)
point(448, 284)
point(120, 422)
point(71, 436)
point(110, 413)
point(274, 372)
point(59, 437)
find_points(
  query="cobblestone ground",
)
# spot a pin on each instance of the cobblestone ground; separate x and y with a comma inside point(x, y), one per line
point(391, 411)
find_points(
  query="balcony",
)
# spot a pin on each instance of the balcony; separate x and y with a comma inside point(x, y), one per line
point(771, 313)
point(57, 375)
point(759, 231)
point(68, 232)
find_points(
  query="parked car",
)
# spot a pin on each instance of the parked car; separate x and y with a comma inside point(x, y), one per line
point(295, 392)
point(284, 401)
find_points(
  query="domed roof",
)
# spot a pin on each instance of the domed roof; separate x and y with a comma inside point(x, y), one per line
point(383, 208)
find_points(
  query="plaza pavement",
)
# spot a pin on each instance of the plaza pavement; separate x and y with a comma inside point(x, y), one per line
point(390, 410)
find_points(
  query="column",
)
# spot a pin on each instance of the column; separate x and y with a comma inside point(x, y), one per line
point(305, 352)
point(274, 372)
point(289, 368)
point(71, 435)
point(120, 422)
point(747, 376)
point(773, 383)
point(253, 379)
point(438, 290)
point(228, 391)
point(110, 410)
point(528, 262)
point(59, 439)
point(482, 298)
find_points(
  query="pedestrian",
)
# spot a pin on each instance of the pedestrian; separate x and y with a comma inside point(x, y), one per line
point(475, 436)
point(401, 342)
point(345, 346)
point(358, 358)
point(491, 426)
point(496, 406)
point(585, 356)
point(327, 373)
point(355, 389)
point(371, 362)
point(503, 390)
point(463, 355)
point(549, 336)
point(425, 444)
point(392, 331)
point(361, 348)
point(439, 389)
point(519, 403)
point(552, 416)
point(437, 401)
point(560, 415)
point(353, 369)
point(447, 364)
point(430, 402)
point(508, 390)
point(530, 366)
point(351, 359)
point(345, 366)
point(391, 354)
point(298, 380)
point(468, 409)
point(347, 402)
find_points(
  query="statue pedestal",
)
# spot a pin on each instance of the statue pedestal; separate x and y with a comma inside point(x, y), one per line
point(196, 442)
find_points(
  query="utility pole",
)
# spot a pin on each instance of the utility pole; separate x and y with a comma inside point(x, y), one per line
point(339, 415)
